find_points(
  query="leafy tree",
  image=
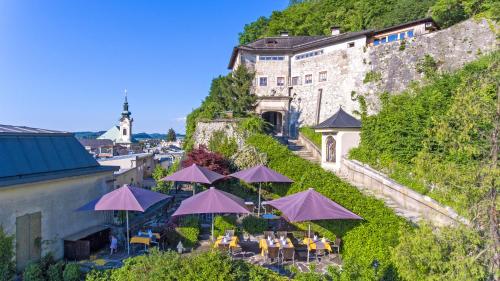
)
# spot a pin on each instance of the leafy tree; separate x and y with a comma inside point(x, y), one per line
point(210, 160)
point(449, 12)
point(248, 157)
point(254, 30)
point(448, 253)
point(158, 173)
point(171, 135)
point(7, 267)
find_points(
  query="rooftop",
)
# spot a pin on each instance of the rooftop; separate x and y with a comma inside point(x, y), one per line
point(32, 154)
point(340, 119)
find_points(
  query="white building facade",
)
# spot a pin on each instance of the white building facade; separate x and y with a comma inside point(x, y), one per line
point(302, 80)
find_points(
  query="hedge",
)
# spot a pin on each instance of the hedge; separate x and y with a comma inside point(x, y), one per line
point(189, 230)
point(223, 223)
point(363, 241)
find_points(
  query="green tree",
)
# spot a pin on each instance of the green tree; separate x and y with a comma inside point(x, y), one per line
point(448, 253)
point(221, 143)
point(171, 135)
point(158, 173)
point(241, 99)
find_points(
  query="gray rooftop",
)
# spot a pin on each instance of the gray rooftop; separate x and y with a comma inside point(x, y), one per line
point(341, 120)
point(32, 154)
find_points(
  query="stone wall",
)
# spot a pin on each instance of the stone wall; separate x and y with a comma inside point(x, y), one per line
point(451, 48)
point(364, 176)
point(205, 130)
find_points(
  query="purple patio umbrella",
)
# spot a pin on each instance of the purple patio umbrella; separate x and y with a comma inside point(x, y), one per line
point(260, 174)
point(195, 174)
point(212, 201)
point(310, 205)
point(126, 198)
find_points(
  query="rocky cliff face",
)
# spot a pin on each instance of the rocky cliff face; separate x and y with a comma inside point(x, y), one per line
point(451, 48)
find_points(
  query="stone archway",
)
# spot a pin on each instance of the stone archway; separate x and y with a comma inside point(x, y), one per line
point(275, 119)
point(331, 146)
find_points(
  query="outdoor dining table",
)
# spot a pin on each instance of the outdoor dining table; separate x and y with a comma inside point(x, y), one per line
point(317, 244)
point(233, 242)
point(264, 244)
point(143, 239)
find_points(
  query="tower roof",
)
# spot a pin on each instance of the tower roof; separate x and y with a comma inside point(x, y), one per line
point(340, 119)
point(125, 112)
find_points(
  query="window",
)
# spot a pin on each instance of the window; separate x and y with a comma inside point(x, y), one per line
point(124, 132)
point(383, 40)
point(350, 44)
point(376, 42)
point(280, 81)
point(295, 80)
point(309, 79)
point(271, 58)
point(309, 54)
point(263, 81)
point(322, 76)
point(392, 37)
point(410, 33)
point(402, 35)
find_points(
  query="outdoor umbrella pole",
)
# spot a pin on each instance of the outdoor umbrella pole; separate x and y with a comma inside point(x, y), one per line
point(213, 227)
point(128, 238)
point(308, 242)
point(258, 209)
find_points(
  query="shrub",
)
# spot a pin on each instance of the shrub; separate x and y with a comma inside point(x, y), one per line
point(223, 223)
point(33, 272)
point(253, 125)
point(170, 266)
point(364, 241)
point(248, 157)
point(189, 230)
point(55, 272)
point(427, 65)
point(210, 160)
point(311, 135)
point(221, 143)
point(7, 266)
point(254, 225)
point(158, 173)
point(72, 272)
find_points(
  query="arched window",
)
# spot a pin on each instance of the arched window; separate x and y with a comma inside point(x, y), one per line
point(330, 149)
point(124, 132)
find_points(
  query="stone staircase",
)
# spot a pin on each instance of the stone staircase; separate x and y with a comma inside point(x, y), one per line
point(400, 210)
point(299, 149)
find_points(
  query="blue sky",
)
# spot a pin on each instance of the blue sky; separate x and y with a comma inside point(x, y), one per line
point(64, 64)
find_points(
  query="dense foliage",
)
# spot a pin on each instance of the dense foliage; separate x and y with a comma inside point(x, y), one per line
point(170, 266)
point(315, 17)
point(248, 157)
point(211, 160)
point(158, 173)
point(448, 253)
point(223, 223)
point(311, 135)
point(230, 93)
point(364, 241)
point(189, 230)
point(254, 225)
point(221, 143)
point(7, 267)
point(47, 269)
point(434, 138)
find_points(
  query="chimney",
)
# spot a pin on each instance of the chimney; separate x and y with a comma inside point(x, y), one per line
point(284, 33)
point(335, 30)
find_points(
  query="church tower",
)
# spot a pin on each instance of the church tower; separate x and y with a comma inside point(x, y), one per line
point(125, 124)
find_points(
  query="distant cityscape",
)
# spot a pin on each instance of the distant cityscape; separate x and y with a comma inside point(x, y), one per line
point(138, 136)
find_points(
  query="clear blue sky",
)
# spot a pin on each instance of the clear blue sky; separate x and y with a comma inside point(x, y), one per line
point(64, 64)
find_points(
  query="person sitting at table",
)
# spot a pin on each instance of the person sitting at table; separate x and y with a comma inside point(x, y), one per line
point(114, 245)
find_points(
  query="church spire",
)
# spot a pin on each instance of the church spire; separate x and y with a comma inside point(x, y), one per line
point(125, 112)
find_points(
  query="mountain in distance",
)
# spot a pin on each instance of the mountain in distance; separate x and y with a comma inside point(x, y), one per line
point(138, 136)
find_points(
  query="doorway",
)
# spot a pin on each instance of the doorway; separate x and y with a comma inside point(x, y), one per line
point(275, 119)
point(28, 239)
